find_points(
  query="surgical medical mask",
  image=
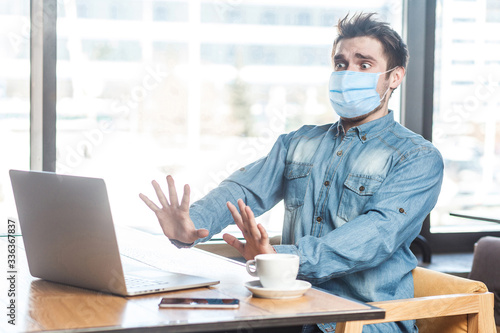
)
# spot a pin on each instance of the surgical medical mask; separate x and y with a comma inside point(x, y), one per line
point(353, 94)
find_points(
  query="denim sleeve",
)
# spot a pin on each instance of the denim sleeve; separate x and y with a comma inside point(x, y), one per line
point(392, 218)
point(259, 184)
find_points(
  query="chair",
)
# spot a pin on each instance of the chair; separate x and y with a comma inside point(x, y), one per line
point(443, 303)
point(486, 268)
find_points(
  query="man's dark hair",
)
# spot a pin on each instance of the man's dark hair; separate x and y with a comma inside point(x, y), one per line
point(363, 25)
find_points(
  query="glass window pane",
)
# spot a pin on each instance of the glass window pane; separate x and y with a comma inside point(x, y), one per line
point(195, 89)
point(466, 123)
point(14, 97)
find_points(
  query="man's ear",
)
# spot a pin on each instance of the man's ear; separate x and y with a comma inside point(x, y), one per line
point(397, 76)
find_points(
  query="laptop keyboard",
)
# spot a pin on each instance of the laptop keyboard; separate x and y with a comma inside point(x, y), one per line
point(133, 282)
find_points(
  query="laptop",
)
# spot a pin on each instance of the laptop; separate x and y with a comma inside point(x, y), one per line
point(69, 237)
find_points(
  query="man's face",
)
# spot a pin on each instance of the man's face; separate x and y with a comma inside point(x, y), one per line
point(362, 54)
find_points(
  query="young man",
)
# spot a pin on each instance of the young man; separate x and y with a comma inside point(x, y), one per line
point(356, 192)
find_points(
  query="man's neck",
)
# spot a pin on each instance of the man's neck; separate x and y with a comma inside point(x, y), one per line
point(348, 123)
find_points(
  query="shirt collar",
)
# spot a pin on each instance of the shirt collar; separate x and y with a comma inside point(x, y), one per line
point(370, 129)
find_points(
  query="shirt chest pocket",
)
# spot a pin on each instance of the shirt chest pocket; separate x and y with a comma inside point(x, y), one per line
point(357, 190)
point(297, 177)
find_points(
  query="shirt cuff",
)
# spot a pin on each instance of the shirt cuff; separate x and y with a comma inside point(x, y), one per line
point(180, 245)
point(289, 249)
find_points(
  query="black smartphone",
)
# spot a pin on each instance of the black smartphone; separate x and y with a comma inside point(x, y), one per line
point(199, 303)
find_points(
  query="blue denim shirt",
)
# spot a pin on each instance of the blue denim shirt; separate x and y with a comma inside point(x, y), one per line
point(354, 203)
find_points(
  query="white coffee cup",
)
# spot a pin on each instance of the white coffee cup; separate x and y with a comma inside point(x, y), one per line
point(275, 271)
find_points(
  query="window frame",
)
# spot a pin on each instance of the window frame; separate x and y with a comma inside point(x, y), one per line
point(43, 58)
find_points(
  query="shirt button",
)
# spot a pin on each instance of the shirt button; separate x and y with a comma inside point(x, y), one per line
point(339, 153)
point(401, 210)
point(319, 219)
point(242, 169)
point(363, 138)
point(327, 183)
point(361, 188)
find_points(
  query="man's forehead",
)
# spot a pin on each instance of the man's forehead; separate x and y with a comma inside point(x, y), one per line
point(360, 47)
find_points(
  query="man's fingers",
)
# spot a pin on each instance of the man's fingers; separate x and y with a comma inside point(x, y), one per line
point(237, 218)
point(172, 192)
point(235, 214)
point(234, 242)
point(251, 225)
point(185, 198)
point(263, 233)
point(160, 194)
point(202, 233)
point(241, 205)
point(149, 203)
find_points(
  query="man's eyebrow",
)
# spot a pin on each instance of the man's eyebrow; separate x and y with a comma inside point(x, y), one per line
point(338, 57)
point(365, 57)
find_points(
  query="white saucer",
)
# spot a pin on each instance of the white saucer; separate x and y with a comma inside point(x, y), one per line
point(258, 291)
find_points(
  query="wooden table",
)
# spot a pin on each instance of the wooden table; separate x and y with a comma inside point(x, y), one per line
point(46, 306)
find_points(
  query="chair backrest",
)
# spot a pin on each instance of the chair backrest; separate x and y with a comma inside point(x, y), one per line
point(486, 267)
point(432, 283)
point(443, 303)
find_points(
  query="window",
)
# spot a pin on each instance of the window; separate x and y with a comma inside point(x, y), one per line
point(170, 11)
point(195, 89)
point(110, 50)
point(82, 10)
point(463, 20)
point(268, 17)
point(109, 10)
point(463, 62)
point(463, 41)
point(14, 96)
point(194, 99)
point(295, 14)
point(492, 11)
point(303, 19)
point(466, 127)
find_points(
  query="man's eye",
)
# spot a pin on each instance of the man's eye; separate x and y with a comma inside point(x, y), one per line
point(365, 66)
point(339, 65)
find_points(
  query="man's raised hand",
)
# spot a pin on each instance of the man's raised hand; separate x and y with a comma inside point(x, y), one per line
point(174, 217)
point(257, 240)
